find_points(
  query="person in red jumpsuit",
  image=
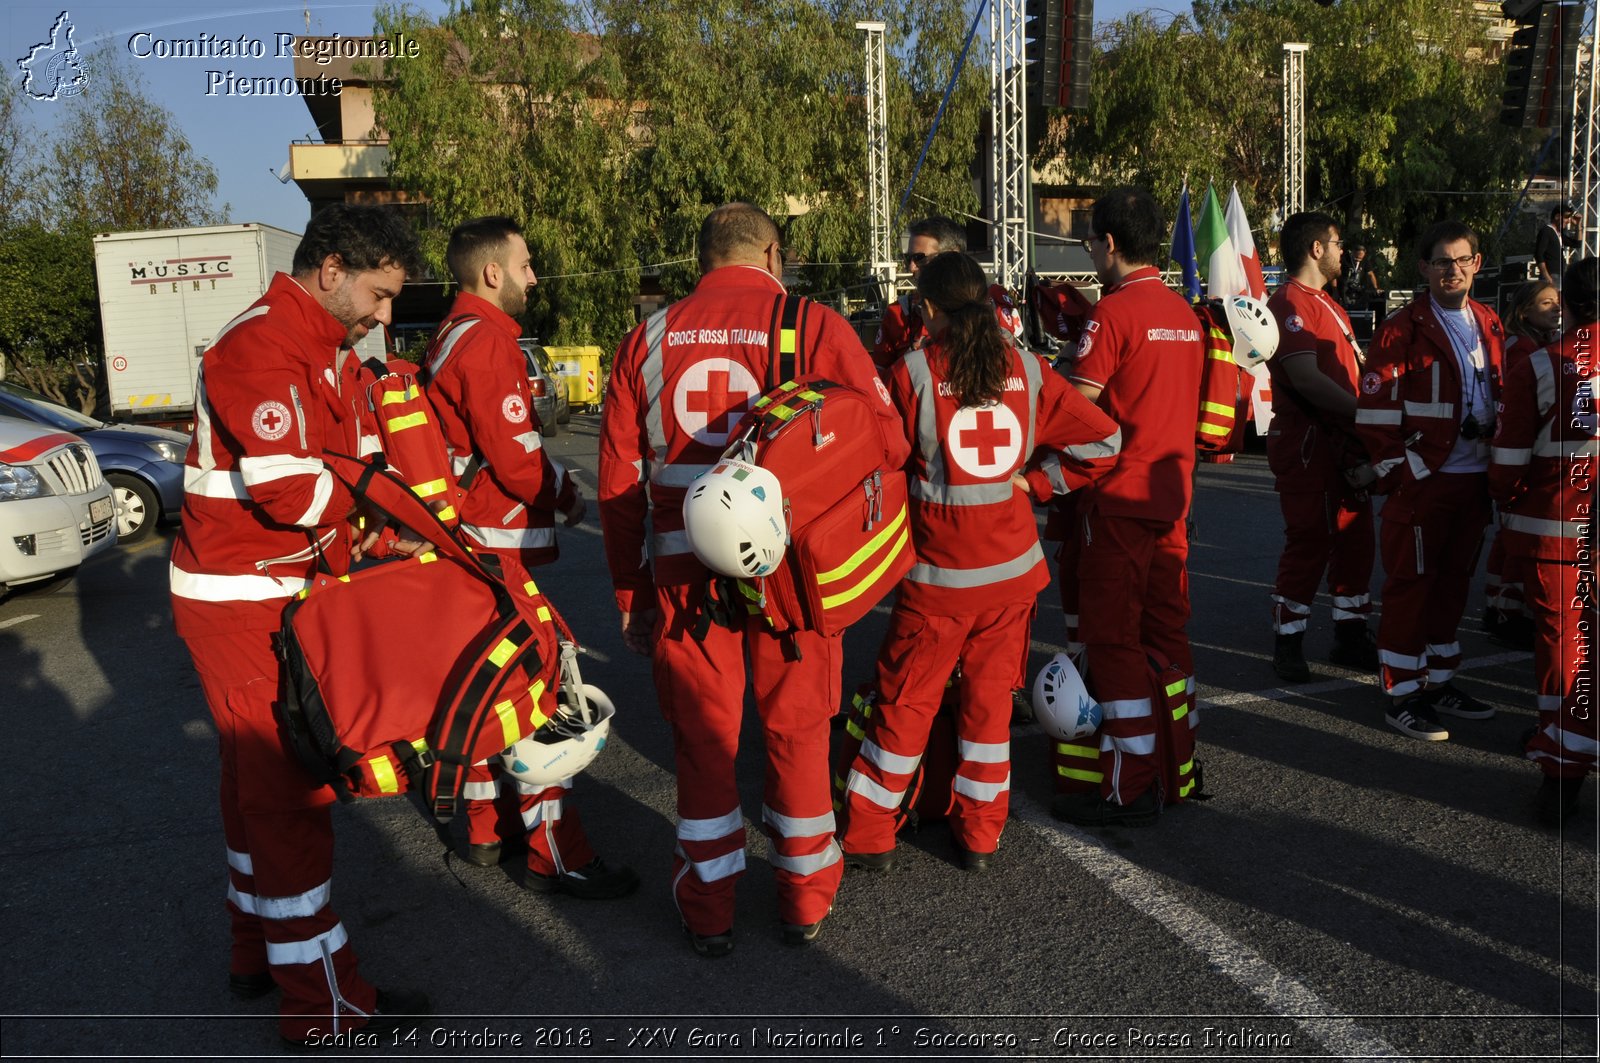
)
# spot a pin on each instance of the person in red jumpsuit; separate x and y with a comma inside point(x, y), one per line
point(477, 381)
point(680, 383)
point(1140, 358)
point(1311, 446)
point(1532, 321)
point(903, 328)
point(1543, 469)
point(993, 429)
point(275, 389)
point(1426, 413)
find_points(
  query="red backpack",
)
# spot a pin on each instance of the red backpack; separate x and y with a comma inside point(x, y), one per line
point(1222, 396)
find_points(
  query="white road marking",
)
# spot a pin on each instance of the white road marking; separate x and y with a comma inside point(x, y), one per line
point(14, 621)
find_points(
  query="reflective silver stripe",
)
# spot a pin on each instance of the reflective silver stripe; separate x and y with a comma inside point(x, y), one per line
point(1419, 468)
point(480, 791)
point(1352, 602)
point(1544, 378)
point(1548, 702)
point(808, 863)
point(442, 355)
point(1435, 379)
point(298, 906)
point(530, 788)
point(1031, 370)
point(1546, 447)
point(255, 311)
point(982, 791)
point(1365, 415)
point(677, 473)
point(668, 544)
point(1126, 709)
point(368, 445)
point(511, 538)
point(321, 495)
point(798, 826)
point(311, 950)
point(718, 867)
point(1051, 467)
point(655, 331)
point(245, 902)
point(1430, 409)
point(1290, 627)
point(1383, 468)
point(921, 376)
point(206, 588)
point(532, 442)
point(1401, 689)
point(1576, 743)
point(1440, 676)
point(513, 512)
point(1550, 529)
point(964, 578)
point(1135, 745)
point(1400, 660)
point(1297, 608)
point(1511, 455)
point(1108, 447)
point(542, 812)
point(882, 796)
point(984, 752)
point(241, 862)
point(710, 830)
point(459, 463)
point(269, 467)
point(1445, 649)
point(214, 483)
point(964, 494)
point(893, 763)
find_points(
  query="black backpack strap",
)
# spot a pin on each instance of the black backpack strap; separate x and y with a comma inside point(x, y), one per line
point(786, 341)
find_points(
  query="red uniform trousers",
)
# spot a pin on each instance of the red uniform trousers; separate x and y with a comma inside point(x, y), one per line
point(556, 839)
point(279, 832)
point(1431, 535)
point(1505, 576)
point(919, 652)
point(1134, 586)
point(700, 685)
point(1563, 598)
point(1324, 531)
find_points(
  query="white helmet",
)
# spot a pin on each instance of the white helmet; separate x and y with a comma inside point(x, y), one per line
point(567, 744)
point(1061, 703)
point(1255, 330)
point(733, 516)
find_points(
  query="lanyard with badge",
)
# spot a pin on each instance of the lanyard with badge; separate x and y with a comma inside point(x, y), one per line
point(1466, 343)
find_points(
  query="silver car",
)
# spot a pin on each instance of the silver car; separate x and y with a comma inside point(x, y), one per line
point(549, 391)
point(55, 507)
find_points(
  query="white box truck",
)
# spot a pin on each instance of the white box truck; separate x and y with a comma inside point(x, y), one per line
point(164, 296)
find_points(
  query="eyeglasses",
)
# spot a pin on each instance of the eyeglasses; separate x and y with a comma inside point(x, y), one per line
point(1443, 264)
point(917, 258)
point(1087, 240)
point(1334, 243)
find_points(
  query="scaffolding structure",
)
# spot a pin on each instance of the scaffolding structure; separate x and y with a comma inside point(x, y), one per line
point(1008, 164)
point(1294, 128)
point(880, 243)
point(1584, 147)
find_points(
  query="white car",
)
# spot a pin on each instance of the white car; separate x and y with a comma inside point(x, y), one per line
point(55, 506)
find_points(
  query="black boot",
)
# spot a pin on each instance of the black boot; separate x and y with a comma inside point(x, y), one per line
point(1289, 659)
point(1354, 646)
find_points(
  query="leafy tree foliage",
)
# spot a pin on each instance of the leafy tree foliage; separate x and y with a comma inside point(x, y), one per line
point(49, 315)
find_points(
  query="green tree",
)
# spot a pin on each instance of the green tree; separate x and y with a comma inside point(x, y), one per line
point(49, 315)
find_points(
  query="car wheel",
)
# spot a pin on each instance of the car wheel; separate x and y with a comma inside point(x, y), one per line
point(566, 415)
point(137, 506)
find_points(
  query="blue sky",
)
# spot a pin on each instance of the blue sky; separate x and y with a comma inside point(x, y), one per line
point(245, 138)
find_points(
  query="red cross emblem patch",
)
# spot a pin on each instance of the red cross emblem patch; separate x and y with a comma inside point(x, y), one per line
point(271, 421)
point(986, 441)
point(514, 409)
point(711, 396)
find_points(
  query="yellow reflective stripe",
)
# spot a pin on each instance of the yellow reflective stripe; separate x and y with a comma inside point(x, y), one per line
point(811, 396)
point(1217, 407)
point(383, 774)
point(1214, 429)
point(431, 488)
point(750, 592)
point(871, 577)
point(1183, 791)
point(344, 579)
point(782, 413)
point(508, 722)
point(390, 398)
point(1180, 712)
point(1177, 687)
point(427, 558)
point(855, 730)
point(1186, 767)
point(502, 653)
point(1077, 751)
point(530, 588)
point(410, 420)
point(447, 513)
point(538, 716)
point(543, 613)
point(1080, 775)
point(763, 401)
point(873, 545)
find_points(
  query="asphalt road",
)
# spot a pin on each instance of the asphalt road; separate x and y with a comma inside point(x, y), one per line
point(1346, 893)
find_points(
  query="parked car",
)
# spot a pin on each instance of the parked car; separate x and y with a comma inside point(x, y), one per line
point(55, 507)
point(548, 390)
point(143, 464)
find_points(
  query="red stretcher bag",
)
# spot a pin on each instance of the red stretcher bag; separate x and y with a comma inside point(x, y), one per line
point(930, 794)
point(372, 714)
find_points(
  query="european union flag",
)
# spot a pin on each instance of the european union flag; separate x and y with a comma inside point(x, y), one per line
point(1183, 248)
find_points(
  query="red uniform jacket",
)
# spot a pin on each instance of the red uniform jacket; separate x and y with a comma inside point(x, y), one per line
point(903, 329)
point(1543, 465)
point(1408, 412)
point(680, 383)
point(1307, 448)
point(273, 393)
point(1142, 347)
point(477, 382)
point(976, 537)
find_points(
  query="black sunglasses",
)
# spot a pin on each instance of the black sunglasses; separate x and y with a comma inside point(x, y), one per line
point(917, 258)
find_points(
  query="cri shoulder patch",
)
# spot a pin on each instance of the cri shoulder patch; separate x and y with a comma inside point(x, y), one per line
point(1295, 323)
point(514, 409)
point(1371, 383)
point(271, 421)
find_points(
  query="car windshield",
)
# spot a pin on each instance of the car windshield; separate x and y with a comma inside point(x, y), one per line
point(537, 355)
point(51, 413)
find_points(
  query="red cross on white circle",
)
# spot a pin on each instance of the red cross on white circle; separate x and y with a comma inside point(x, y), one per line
point(711, 396)
point(270, 420)
point(986, 441)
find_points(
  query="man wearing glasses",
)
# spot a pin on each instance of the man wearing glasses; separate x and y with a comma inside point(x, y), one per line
point(1426, 412)
point(902, 329)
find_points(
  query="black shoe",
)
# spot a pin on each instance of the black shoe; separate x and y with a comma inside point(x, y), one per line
point(1413, 716)
point(1557, 799)
point(1091, 810)
point(977, 862)
point(594, 881)
point(1289, 659)
point(798, 934)
point(485, 855)
point(713, 946)
point(1509, 629)
point(1354, 646)
point(870, 861)
point(1448, 700)
point(251, 986)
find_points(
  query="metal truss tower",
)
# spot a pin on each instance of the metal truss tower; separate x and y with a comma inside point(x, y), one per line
point(1294, 128)
point(1008, 164)
point(1584, 148)
point(880, 241)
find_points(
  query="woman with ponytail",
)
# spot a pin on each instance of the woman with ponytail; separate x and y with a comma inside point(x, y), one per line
point(994, 430)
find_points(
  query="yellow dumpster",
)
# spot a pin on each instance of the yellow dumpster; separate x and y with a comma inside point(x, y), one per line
point(579, 367)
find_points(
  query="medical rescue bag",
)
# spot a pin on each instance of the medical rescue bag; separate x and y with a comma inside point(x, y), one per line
point(847, 510)
point(930, 792)
point(1178, 773)
point(371, 710)
point(1223, 394)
